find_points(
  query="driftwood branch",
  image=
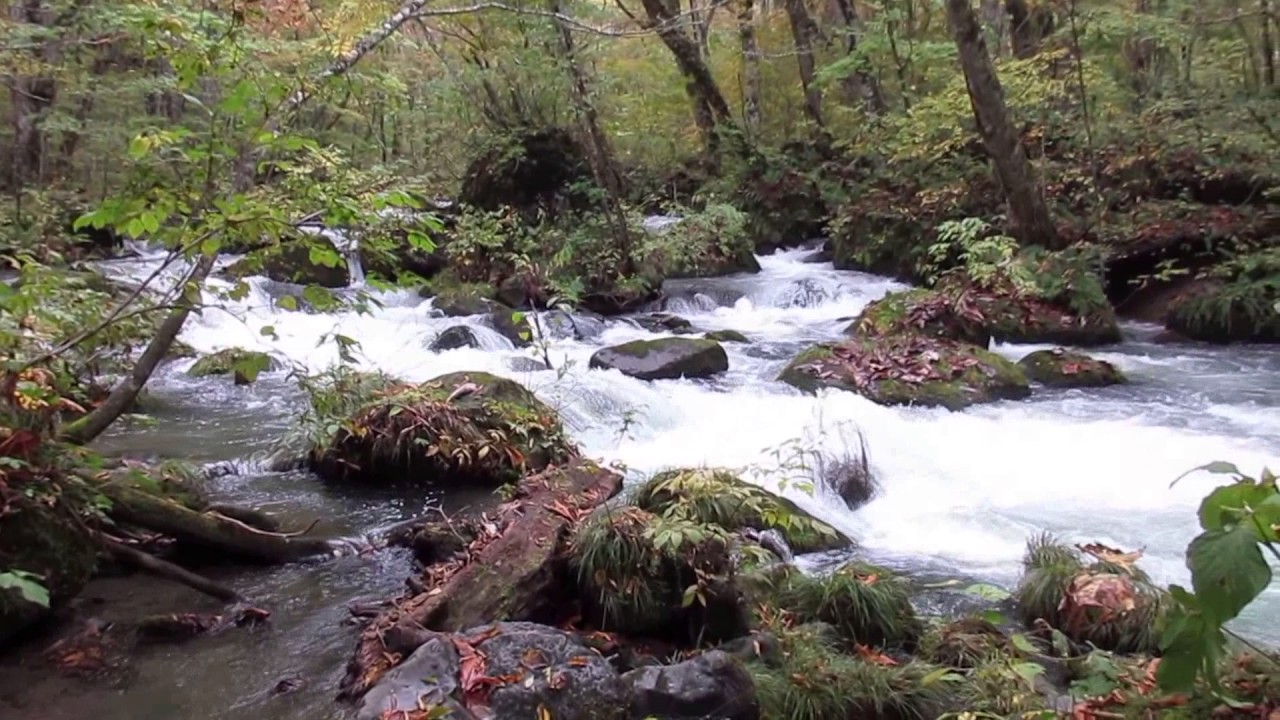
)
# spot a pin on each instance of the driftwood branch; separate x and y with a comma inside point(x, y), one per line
point(165, 569)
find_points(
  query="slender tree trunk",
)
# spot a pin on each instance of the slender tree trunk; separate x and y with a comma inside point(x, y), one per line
point(1029, 214)
point(1268, 44)
point(752, 105)
point(1028, 27)
point(997, 24)
point(861, 86)
point(804, 32)
point(31, 96)
point(710, 108)
point(600, 152)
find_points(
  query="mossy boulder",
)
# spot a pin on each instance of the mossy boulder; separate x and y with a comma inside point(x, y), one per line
point(909, 370)
point(512, 325)
point(463, 428)
point(727, 336)
point(41, 540)
point(929, 312)
point(292, 263)
point(1220, 312)
point(1065, 369)
point(1022, 319)
point(665, 358)
point(664, 322)
point(460, 299)
point(721, 497)
point(244, 365)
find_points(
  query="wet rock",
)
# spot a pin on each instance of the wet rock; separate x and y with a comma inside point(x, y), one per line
point(526, 364)
point(712, 685)
point(909, 370)
point(1244, 310)
point(928, 312)
point(244, 365)
point(41, 540)
point(577, 325)
point(511, 325)
point(664, 322)
point(1032, 321)
point(666, 358)
point(430, 676)
point(469, 428)
point(569, 680)
point(458, 336)
point(461, 300)
point(724, 336)
point(1062, 368)
point(292, 263)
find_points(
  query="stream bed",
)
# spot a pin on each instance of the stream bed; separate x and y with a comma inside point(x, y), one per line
point(959, 492)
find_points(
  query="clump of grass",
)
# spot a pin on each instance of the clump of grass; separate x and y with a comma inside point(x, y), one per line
point(963, 644)
point(848, 474)
point(869, 605)
point(814, 681)
point(1235, 301)
point(720, 497)
point(621, 569)
point(1055, 581)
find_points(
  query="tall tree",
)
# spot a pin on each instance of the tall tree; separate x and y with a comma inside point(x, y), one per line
point(752, 102)
point(804, 35)
point(861, 84)
point(1029, 214)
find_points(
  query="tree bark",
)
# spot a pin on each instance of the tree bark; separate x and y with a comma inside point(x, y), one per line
point(861, 86)
point(31, 96)
point(1029, 27)
point(1268, 44)
point(804, 33)
point(752, 104)
point(1029, 214)
point(711, 111)
point(997, 24)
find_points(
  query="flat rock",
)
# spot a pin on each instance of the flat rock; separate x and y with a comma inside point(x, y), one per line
point(664, 359)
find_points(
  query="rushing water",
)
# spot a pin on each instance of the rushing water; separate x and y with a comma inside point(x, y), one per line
point(960, 492)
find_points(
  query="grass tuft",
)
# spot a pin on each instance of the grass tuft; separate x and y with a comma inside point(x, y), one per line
point(867, 604)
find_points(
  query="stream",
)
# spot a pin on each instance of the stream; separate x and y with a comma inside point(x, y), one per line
point(959, 492)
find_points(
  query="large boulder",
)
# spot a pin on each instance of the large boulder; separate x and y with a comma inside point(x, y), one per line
point(56, 553)
point(1024, 319)
point(727, 336)
point(663, 359)
point(469, 428)
point(928, 312)
point(1062, 368)
point(909, 370)
point(720, 497)
point(243, 365)
point(712, 685)
point(512, 669)
point(293, 262)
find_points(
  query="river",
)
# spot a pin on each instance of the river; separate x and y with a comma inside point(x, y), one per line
point(960, 492)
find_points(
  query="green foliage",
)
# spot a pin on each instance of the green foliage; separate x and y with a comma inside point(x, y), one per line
point(866, 604)
point(26, 585)
point(814, 681)
point(710, 241)
point(1228, 570)
point(1236, 299)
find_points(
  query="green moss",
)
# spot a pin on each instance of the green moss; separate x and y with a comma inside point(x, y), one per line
point(928, 312)
point(795, 375)
point(457, 299)
point(243, 364)
point(720, 497)
point(41, 540)
point(464, 427)
point(1065, 369)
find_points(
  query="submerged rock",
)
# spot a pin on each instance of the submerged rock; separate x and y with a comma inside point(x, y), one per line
point(712, 685)
point(1065, 369)
point(909, 370)
point(664, 359)
point(721, 497)
point(724, 336)
point(664, 322)
point(512, 325)
point(245, 365)
point(458, 300)
point(551, 670)
point(464, 427)
point(458, 336)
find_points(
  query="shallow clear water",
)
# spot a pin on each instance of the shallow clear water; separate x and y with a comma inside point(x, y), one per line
point(961, 492)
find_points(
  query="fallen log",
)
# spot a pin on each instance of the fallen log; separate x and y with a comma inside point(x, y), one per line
point(156, 566)
point(210, 530)
point(519, 573)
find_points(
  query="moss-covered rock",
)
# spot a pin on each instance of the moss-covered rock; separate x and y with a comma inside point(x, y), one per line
point(720, 497)
point(1217, 311)
point(460, 299)
point(1065, 369)
point(727, 336)
point(664, 322)
point(469, 428)
point(292, 263)
point(1030, 320)
point(664, 358)
point(909, 370)
point(41, 540)
point(244, 365)
point(929, 312)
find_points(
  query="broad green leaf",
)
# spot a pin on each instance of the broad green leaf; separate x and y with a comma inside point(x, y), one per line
point(138, 147)
point(1227, 571)
point(1021, 642)
point(1028, 671)
point(288, 302)
point(27, 586)
point(987, 592)
point(421, 241)
point(1224, 506)
point(1196, 648)
point(1217, 468)
point(250, 366)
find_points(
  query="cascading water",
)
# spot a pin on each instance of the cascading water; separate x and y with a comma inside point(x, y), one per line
point(960, 492)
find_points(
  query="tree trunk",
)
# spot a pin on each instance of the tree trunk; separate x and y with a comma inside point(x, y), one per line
point(804, 31)
point(1029, 215)
point(710, 109)
point(997, 24)
point(861, 86)
point(752, 105)
point(1268, 44)
point(1029, 27)
point(31, 96)
point(604, 167)
point(209, 530)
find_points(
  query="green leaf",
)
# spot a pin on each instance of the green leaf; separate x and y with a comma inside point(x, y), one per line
point(1217, 468)
point(936, 676)
point(690, 596)
point(288, 302)
point(420, 241)
point(1227, 504)
point(27, 586)
point(1227, 571)
point(1021, 642)
point(1195, 648)
point(1028, 671)
point(138, 147)
point(250, 366)
point(268, 331)
point(987, 592)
